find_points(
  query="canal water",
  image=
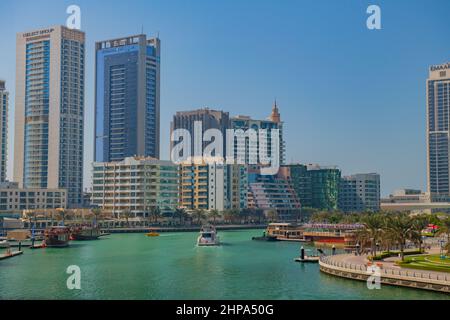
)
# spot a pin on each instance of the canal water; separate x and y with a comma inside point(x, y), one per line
point(133, 266)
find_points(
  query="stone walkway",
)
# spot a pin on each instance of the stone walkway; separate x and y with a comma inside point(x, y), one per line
point(388, 263)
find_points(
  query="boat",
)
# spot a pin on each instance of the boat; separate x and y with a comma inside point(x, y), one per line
point(10, 254)
point(4, 244)
point(265, 237)
point(85, 233)
point(208, 236)
point(152, 234)
point(57, 237)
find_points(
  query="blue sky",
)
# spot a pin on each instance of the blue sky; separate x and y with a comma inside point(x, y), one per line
point(349, 96)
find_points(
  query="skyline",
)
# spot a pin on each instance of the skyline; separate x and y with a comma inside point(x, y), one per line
point(397, 122)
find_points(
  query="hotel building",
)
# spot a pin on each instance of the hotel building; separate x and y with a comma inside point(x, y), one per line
point(135, 184)
point(3, 130)
point(359, 193)
point(253, 151)
point(438, 122)
point(49, 110)
point(213, 186)
point(127, 98)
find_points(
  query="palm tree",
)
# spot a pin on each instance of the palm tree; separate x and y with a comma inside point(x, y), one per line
point(180, 213)
point(97, 212)
point(127, 214)
point(444, 229)
point(401, 228)
point(272, 215)
point(373, 230)
point(214, 214)
point(61, 215)
point(199, 214)
point(155, 212)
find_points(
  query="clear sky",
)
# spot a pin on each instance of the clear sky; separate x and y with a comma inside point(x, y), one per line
point(349, 96)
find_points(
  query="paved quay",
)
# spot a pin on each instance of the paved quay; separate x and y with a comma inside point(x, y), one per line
point(356, 267)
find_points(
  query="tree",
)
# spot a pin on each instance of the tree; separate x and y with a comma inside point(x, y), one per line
point(401, 228)
point(181, 214)
point(272, 215)
point(199, 214)
point(127, 214)
point(214, 214)
point(444, 229)
point(155, 212)
point(373, 230)
point(97, 213)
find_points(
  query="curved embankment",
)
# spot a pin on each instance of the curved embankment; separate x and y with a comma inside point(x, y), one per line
point(338, 266)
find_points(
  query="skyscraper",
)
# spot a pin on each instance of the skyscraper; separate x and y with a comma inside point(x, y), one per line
point(127, 98)
point(272, 122)
point(49, 110)
point(210, 119)
point(3, 130)
point(438, 132)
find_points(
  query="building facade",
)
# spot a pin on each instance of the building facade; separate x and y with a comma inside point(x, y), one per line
point(14, 199)
point(438, 136)
point(300, 179)
point(273, 192)
point(127, 98)
point(135, 184)
point(209, 119)
point(360, 192)
point(4, 99)
point(49, 110)
point(250, 151)
point(213, 186)
point(324, 187)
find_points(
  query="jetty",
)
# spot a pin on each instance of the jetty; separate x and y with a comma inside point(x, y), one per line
point(10, 254)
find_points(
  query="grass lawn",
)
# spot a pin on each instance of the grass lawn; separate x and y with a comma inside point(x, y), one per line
point(427, 262)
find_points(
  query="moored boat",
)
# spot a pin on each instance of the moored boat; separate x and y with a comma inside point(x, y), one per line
point(208, 236)
point(85, 233)
point(57, 236)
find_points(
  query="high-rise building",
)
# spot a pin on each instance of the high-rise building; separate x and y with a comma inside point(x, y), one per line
point(3, 130)
point(300, 179)
point(49, 110)
point(209, 119)
point(324, 187)
point(273, 192)
point(253, 151)
point(135, 184)
point(360, 192)
point(213, 186)
point(438, 132)
point(127, 98)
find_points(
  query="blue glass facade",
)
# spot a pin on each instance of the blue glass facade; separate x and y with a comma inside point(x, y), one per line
point(127, 88)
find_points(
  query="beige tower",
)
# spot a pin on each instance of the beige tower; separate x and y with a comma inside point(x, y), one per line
point(49, 110)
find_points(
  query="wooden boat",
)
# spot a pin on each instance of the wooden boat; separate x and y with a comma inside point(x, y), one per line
point(57, 237)
point(85, 233)
point(152, 234)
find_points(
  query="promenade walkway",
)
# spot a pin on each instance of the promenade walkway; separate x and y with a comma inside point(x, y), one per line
point(356, 267)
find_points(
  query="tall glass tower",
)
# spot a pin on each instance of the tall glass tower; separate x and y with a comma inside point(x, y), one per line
point(127, 98)
point(49, 110)
point(438, 132)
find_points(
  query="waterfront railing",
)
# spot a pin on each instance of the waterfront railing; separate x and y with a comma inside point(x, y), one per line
point(387, 272)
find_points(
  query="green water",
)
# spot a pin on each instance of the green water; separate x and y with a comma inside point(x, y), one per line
point(133, 266)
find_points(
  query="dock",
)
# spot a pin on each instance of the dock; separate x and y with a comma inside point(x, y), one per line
point(314, 259)
point(10, 255)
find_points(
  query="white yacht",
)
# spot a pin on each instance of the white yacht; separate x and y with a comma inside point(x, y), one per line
point(208, 236)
